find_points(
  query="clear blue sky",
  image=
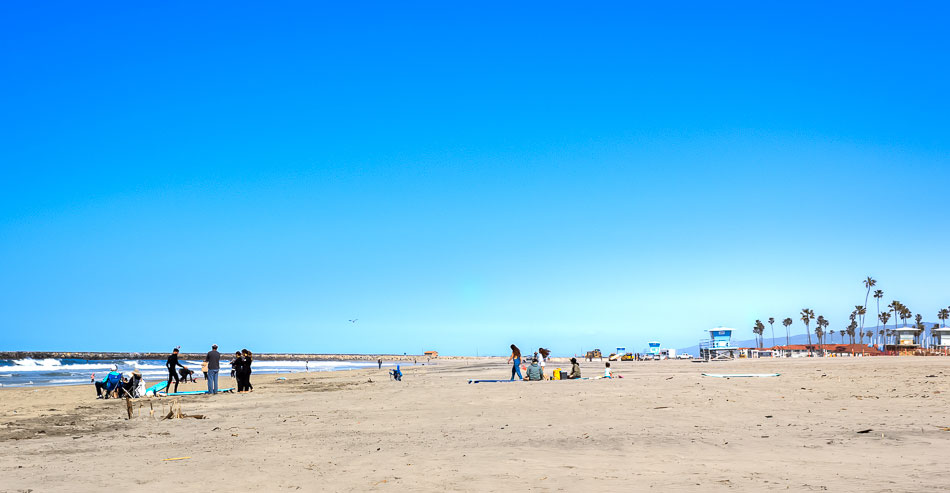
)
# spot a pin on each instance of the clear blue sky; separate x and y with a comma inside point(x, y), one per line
point(461, 177)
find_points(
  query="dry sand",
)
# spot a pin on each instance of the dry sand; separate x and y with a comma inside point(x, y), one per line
point(662, 426)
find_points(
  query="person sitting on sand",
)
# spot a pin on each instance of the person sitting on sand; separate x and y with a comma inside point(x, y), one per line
point(109, 383)
point(534, 371)
point(575, 370)
point(607, 373)
point(396, 374)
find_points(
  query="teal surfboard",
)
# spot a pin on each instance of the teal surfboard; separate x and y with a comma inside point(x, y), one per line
point(740, 375)
point(199, 392)
point(158, 387)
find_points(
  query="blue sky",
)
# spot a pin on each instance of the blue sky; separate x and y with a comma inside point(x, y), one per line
point(463, 177)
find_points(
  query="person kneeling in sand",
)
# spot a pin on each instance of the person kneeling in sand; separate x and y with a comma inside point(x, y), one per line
point(534, 371)
point(575, 370)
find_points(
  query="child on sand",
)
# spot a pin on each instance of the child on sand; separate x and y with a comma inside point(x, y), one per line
point(607, 371)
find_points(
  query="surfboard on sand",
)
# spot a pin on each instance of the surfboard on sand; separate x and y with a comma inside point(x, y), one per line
point(490, 381)
point(158, 387)
point(741, 375)
point(199, 392)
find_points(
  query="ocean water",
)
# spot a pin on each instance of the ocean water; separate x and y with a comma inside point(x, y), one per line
point(29, 372)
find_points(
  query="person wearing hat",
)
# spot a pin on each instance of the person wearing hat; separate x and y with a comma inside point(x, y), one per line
point(213, 360)
point(109, 383)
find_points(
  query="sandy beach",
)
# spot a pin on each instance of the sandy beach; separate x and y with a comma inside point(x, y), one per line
point(661, 426)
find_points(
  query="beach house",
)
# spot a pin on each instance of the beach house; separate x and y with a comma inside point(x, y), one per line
point(431, 354)
point(905, 341)
point(941, 337)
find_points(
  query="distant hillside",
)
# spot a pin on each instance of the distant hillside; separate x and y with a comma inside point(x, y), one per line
point(794, 339)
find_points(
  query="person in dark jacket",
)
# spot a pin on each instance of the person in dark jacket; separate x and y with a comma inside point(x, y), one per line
point(235, 363)
point(244, 372)
point(534, 371)
point(171, 363)
point(575, 370)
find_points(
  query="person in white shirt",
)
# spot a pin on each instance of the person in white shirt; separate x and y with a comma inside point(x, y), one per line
point(542, 355)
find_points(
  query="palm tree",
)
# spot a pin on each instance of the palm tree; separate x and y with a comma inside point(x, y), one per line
point(850, 331)
point(942, 315)
point(787, 323)
point(820, 326)
point(878, 294)
point(895, 306)
point(884, 317)
point(759, 329)
point(772, 328)
point(868, 283)
point(860, 311)
point(906, 314)
point(807, 316)
point(921, 328)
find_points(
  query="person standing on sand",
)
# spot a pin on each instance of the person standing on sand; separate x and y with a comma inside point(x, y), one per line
point(171, 363)
point(235, 363)
point(516, 357)
point(244, 372)
point(213, 364)
point(543, 355)
point(380, 363)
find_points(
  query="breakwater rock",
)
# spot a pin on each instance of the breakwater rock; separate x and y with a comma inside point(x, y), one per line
point(87, 355)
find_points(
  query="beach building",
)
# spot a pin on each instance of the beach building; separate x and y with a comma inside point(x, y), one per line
point(941, 338)
point(905, 338)
point(803, 350)
point(431, 354)
point(653, 349)
point(719, 345)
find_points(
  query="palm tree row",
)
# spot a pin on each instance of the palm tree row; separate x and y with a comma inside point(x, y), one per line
point(881, 335)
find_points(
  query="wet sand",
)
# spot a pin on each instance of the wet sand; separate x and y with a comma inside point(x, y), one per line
point(661, 426)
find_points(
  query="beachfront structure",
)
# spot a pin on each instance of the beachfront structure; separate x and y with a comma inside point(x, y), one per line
point(941, 337)
point(431, 354)
point(654, 348)
point(905, 341)
point(804, 350)
point(719, 346)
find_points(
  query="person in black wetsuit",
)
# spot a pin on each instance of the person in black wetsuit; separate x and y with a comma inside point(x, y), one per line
point(171, 363)
point(243, 372)
point(235, 364)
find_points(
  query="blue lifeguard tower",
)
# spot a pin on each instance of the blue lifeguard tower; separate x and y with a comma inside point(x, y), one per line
point(654, 349)
point(719, 346)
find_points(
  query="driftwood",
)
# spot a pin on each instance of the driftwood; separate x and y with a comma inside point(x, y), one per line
point(175, 412)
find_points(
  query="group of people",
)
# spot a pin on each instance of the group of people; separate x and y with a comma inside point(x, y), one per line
point(211, 367)
point(535, 371)
point(128, 384)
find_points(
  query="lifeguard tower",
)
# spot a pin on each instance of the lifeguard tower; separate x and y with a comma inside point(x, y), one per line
point(905, 341)
point(941, 338)
point(719, 346)
point(653, 347)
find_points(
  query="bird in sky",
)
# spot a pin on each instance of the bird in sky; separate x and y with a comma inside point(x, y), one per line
point(353, 321)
